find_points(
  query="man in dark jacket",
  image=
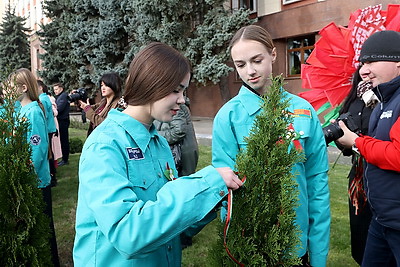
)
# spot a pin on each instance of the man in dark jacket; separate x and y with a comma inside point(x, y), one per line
point(63, 121)
point(380, 58)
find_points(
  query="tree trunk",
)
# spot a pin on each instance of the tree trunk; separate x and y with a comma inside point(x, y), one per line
point(224, 89)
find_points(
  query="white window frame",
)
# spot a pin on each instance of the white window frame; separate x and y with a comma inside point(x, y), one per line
point(236, 5)
point(286, 2)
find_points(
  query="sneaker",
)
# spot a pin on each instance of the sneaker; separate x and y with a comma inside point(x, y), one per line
point(62, 163)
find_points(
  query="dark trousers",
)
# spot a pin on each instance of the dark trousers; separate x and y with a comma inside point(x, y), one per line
point(46, 193)
point(64, 138)
point(383, 246)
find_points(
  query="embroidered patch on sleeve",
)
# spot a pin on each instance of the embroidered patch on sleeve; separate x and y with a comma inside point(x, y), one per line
point(35, 140)
point(305, 113)
point(134, 153)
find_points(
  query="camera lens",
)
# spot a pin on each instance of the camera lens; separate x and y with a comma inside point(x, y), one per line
point(74, 97)
point(332, 132)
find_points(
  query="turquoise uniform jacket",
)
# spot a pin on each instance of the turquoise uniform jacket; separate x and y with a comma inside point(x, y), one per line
point(38, 138)
point(51, 125)
point(234, 121)
point(128, 213)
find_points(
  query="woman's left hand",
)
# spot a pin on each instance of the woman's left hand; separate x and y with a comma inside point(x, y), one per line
point(83, 105)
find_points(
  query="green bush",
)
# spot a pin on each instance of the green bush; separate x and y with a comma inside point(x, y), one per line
point(75, 145)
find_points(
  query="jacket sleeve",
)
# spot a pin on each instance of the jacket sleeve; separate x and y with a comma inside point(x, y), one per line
point(316, 170)
point(38, 140)
point(224, 144)
point(177, 128)
point(94, 118)
point(135, 226)
point(383, 154)
point(62, 102)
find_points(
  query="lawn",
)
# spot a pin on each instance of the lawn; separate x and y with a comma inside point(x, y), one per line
point(65, 197)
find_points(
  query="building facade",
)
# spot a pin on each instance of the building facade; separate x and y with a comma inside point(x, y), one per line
point(32, 11)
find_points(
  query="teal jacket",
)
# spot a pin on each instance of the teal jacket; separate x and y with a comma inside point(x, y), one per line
point(128, 214)
point(234, 121)
point(48, 109)
point(38, 138)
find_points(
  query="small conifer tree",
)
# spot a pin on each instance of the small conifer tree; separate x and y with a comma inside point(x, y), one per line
point(24, 228)
point(262, 231)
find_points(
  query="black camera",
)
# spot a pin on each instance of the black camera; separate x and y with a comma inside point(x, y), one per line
point(333, 131)
point(79, 94)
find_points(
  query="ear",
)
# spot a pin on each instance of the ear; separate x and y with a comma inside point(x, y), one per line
point(273, 55)
point(24, 88)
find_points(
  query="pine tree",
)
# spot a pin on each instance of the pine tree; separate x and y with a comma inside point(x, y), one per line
point(59, 62)
point(262, 231)
point(201, 29)
point(14, 43)
point(99, 38)
point(24, 228)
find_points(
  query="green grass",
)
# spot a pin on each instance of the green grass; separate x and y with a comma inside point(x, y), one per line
point(65, 197)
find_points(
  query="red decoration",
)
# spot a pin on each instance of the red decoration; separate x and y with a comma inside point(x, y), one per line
point(330, 66)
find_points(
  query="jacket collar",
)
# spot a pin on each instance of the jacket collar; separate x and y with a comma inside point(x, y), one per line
point(248, 97)
point(134, 128)
point(385, 91)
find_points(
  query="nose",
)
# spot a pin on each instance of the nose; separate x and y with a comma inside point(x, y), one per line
point(364, 70)
point(181, 98)
point(250, 69)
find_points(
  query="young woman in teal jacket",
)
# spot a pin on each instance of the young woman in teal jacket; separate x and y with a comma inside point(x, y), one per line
point(253, 54)
point(30, 107)
point(131, 208)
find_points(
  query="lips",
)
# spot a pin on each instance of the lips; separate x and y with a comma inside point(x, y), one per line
point(254, 80)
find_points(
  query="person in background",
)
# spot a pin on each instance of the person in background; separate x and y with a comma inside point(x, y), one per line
point(111, 91)
point(55, 141)
point(131, 207)
point(253, 53)
point(359, 104)
point(181, 137)
point(63, 107)
point(51, 126)
point(380, 59)
point(37, 136)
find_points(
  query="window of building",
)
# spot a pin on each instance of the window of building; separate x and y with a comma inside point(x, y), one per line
point(285, 2)
point(247, 4)
point(298, 50)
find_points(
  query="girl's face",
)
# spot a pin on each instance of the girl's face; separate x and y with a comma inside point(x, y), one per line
point(253, 63)
point(165, 108)
point(106, 91)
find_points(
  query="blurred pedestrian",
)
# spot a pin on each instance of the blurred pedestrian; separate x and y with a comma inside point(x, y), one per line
point(63, 107)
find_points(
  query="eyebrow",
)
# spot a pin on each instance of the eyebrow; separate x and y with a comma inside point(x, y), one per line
point(252, 58)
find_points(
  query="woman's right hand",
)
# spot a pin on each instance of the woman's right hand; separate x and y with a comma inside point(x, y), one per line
point(231, 180)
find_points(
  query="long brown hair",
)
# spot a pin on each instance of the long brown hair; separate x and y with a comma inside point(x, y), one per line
point(253, 33)
point(25, 77)
point(155, 72)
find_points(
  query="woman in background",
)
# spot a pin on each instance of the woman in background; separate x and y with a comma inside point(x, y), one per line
point(111, 90)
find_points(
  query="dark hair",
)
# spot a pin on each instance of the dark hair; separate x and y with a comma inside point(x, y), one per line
point(356, 79)
point(155, 72)
point(59, 85)
point(113, 81)
point(45, 89)
point(254, 33)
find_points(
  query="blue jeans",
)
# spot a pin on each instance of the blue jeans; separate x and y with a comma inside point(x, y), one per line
point(383, 246)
